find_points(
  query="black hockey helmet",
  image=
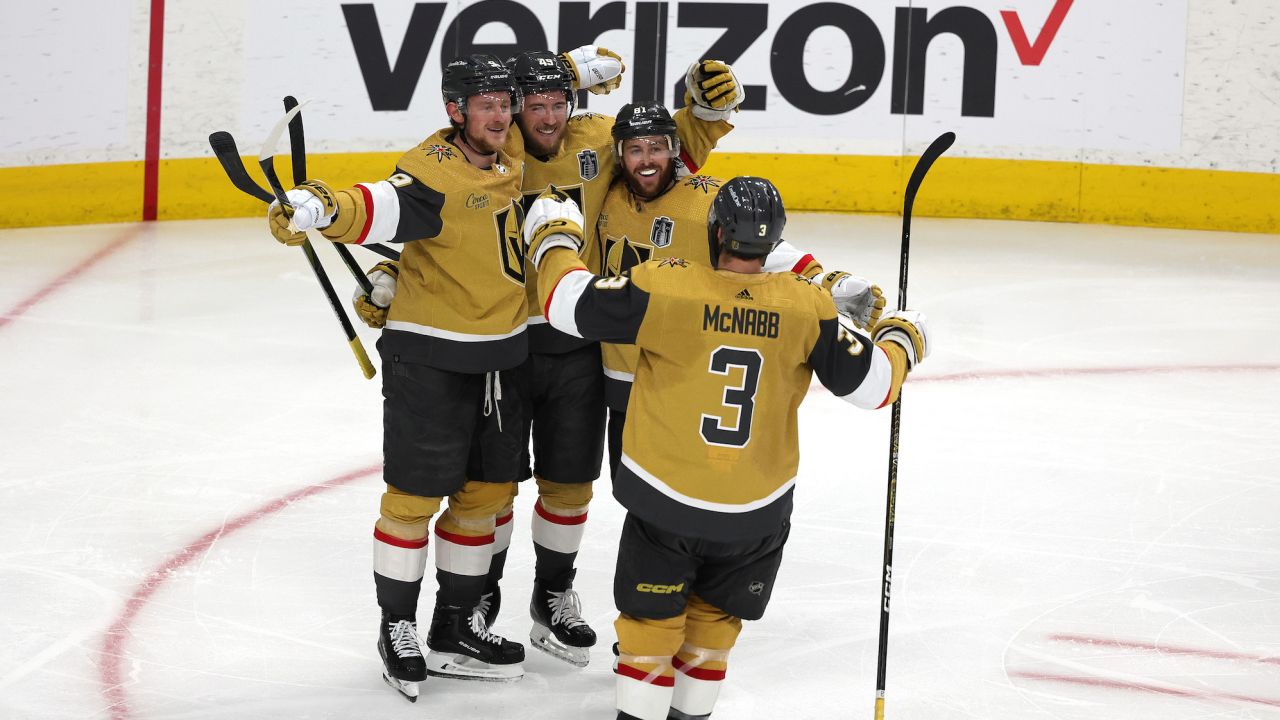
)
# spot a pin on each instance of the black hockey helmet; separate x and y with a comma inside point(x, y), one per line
point(537, 71)
point(641, 120)
point(749, 209)
point(474, 74)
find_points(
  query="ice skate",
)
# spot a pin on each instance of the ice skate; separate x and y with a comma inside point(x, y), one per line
point(463, 648)
point(558, 627)
point(401, 651)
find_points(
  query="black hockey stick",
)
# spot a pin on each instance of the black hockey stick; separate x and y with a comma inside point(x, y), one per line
point(228, 155)
point(265, 159)
point(932, 153)
point(224, 148)
point(298, 156)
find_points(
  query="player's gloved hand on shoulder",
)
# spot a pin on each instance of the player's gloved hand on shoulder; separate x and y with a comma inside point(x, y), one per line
point(594, 68)
point(855, 296)
point(713, 90)
point(553, 220)
point(905, 328)
point(372, 308)
point(314, 206)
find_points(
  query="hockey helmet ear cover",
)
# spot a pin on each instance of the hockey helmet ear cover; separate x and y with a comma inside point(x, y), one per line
point(749, 211)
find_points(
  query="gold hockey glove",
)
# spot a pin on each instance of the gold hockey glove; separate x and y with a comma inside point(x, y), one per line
point(372, 308)
point(905, 328)
point(314, 206)
point(553, 220)
point(713, 90)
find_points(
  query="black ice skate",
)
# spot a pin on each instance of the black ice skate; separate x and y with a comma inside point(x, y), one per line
point(558, 627)
point(463, 648)
point(401, 651)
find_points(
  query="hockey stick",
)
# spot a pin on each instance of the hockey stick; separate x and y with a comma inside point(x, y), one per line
point(228, 155)
point(224, 148)
point(298, 156)
point(265, 158)
point(932, 153)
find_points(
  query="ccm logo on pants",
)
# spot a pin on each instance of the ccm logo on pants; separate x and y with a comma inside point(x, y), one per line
point(659, 589)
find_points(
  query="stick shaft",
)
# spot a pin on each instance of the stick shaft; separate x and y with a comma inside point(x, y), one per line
point(932, 153)
point(298, 156)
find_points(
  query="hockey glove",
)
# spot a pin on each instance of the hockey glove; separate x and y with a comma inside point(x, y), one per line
point(855, 297)
point(553, 220)
point(905, 328)
point(372, 308)
point(594, 68)
point(314, 206)
point(713, 90)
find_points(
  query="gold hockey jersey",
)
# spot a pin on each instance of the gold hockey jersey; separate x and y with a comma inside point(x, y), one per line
point(632, 230)
point(584, 169)
point(460, 301)
point(710, 447)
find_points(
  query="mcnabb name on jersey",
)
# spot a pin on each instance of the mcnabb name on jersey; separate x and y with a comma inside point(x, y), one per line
point(740, 320)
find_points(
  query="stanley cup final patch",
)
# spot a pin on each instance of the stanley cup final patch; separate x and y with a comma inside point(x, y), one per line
point(588, 164)
point(661, 231)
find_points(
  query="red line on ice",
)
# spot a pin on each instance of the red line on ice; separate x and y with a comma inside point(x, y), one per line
point(113, 642)
point(1068, 372)
point(22, 307)
point(1162, 648)
point(1142, 687)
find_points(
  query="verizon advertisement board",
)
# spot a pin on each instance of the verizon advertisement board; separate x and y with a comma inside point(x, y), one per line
point(826, 77)
point(1046, 79)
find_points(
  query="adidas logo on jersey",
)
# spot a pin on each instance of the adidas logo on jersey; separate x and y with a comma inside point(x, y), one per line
point(744, 295)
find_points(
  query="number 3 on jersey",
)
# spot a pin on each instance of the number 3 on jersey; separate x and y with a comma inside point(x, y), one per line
point(738, 399)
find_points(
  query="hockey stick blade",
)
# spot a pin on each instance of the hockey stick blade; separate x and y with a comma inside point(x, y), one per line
point(224, 149)
point(940, 145)
point(266, 157)
point(930, 155)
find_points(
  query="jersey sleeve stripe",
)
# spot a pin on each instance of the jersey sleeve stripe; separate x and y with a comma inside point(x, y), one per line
point(802, 264)
point(562, 301)
point(874, 389)
point(368, 213)
point(688, 162)
point(382, 212)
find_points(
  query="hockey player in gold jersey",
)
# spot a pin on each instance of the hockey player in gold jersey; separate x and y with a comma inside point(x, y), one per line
point(710, 451)
point(651, 212)
point(562, 385)
point(453, 334)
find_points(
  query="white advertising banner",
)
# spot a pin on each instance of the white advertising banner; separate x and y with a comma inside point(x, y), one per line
point(1043, 79)
point(826, 77)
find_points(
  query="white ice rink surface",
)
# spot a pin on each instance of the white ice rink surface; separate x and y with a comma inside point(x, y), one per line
point(1088, 512)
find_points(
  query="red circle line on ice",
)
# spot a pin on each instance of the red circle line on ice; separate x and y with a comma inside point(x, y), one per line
point(114, 640)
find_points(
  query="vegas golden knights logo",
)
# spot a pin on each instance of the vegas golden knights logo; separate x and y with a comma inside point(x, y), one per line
point(621, 254)
point(588, 164)
point(660, 233)
point(510, 241)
